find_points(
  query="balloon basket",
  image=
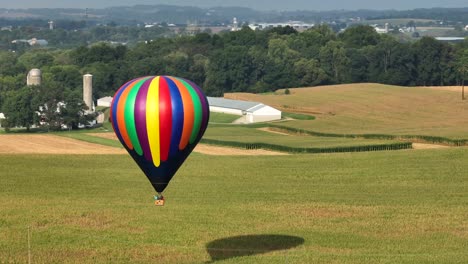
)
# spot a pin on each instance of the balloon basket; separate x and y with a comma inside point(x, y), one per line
point(159, 202)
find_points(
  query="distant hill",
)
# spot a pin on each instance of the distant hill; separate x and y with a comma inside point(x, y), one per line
point(224, 15)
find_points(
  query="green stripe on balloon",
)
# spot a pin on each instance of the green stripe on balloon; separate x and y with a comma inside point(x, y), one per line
point(130, 117)
point(197, 107)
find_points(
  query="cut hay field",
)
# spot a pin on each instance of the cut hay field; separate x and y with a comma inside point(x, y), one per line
point(374, 207)
point(372, 108)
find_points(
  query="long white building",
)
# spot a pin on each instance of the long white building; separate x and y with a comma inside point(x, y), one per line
point(251, 112)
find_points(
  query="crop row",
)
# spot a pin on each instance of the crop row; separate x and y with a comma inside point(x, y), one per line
point(261, 145)
point(419, 138)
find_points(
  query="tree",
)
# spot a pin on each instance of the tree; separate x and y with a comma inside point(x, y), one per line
point(334, 60)
point(462, 66)
point(309, 73)
point(428, 58)
point(36, 59)
point(229, 70)
point(73, 111)
point(360, 36)
point(19, 109)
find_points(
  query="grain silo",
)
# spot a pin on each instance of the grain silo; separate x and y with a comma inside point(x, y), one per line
point(34, 77)
point(88, 91)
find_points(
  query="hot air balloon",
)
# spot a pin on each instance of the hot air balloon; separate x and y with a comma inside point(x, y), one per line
point(159, 120)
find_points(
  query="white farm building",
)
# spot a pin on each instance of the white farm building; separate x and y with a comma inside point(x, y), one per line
point(104, 101)
point(252, 112)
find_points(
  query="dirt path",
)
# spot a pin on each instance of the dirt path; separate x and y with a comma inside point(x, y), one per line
point(268, 129)
point(224, 151)
point(428, 146)
point(51, 144)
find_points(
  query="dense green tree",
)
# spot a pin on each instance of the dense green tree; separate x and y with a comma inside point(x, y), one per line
point(73, 111)
point(19, 108)
point(428, 61)
point(359, 36)
point(462, 68)
point(68, 76)
point(229, 70)
point(308, 73)
point(9, 63)
point(36, 59)
point(334, 60)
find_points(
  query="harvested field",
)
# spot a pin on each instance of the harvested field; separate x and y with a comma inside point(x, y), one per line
point(446, 88)
point(209, 149)
point(51, 144)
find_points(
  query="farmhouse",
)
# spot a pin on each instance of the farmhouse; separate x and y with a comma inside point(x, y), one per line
point(104, 101)
point(250, 112)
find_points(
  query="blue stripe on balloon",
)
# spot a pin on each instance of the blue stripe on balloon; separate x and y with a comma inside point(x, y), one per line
point(177, 117)
point(115, 102)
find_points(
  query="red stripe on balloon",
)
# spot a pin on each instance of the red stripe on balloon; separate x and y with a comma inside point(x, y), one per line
point(165, 118)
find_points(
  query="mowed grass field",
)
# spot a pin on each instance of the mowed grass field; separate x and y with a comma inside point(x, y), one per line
point(375, 207)
point(373, 108)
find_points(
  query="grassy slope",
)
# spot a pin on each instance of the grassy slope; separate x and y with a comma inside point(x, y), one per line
point(373, 108)
point(386, 207)
point(222, 117)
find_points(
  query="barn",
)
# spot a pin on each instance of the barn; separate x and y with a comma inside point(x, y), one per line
point(248, 112)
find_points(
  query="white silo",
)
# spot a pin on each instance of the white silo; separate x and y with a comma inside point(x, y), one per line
point(88, 91)
point(34, 77)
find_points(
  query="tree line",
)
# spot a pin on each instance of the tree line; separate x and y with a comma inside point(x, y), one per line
point(242, 61)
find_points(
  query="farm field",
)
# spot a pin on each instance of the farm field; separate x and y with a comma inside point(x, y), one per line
point(373, 207)
point(82, 199)
point(372, 108)
point(397, 21)
point(252, 135)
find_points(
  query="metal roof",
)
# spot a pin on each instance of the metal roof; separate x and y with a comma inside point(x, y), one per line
point(233, 104)
point(106, 99)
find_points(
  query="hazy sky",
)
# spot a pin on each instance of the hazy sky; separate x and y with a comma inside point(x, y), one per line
point(259, 5)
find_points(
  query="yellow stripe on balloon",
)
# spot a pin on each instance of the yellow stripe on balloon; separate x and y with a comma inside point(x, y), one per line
point(152, 120)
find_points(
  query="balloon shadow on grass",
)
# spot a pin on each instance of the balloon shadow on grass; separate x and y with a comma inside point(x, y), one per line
point(247, 245)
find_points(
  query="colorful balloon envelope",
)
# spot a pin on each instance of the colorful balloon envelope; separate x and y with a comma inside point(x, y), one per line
point(159, 120)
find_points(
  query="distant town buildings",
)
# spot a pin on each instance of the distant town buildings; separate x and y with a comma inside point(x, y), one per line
point(32, 42)
point(235, 26)
point(297, 25)
point(381, 30)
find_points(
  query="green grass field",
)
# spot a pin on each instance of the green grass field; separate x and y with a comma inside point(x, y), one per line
point(222, 118)
point(405, 206)
point(397, 21)
point(385, 207)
